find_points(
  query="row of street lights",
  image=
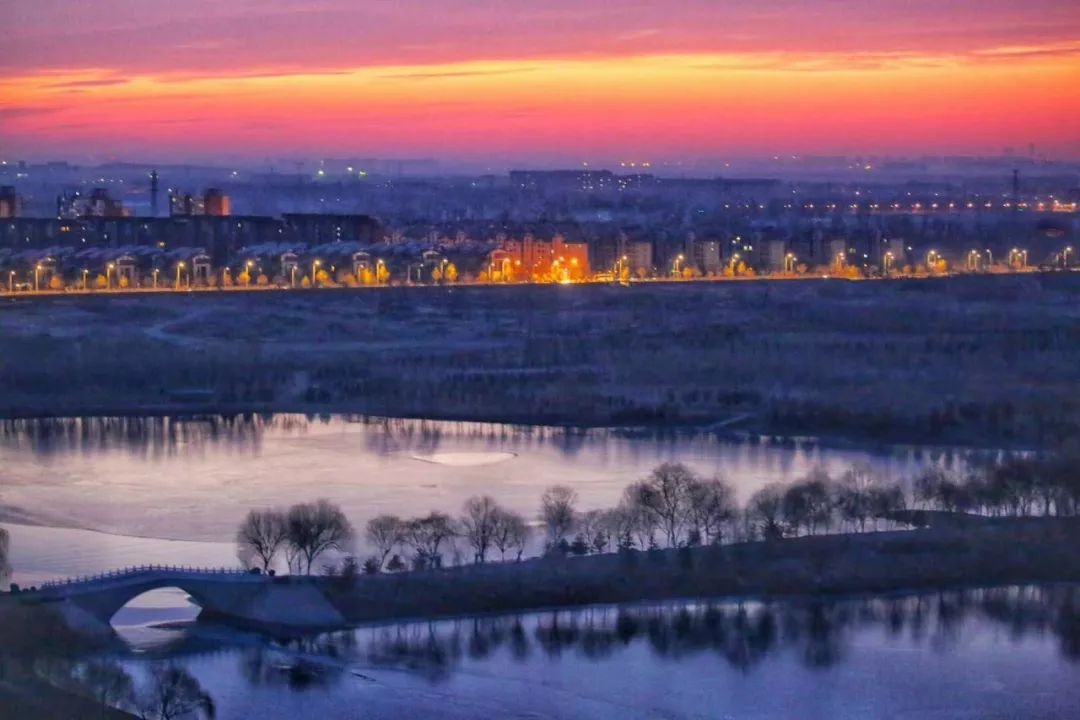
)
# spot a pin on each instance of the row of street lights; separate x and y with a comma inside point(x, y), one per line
point(1016, 257)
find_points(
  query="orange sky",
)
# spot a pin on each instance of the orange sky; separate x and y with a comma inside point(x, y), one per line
point(659, 103)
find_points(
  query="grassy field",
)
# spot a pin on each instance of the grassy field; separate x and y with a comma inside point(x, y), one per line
point(985, 360)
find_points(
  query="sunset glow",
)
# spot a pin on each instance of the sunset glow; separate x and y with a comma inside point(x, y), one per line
point(670, 93)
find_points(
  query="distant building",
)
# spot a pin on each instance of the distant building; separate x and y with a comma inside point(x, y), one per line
point(775, 255)
point(897, 253)
point(320, 229)
point(216, 203)
point(547, 259)
point(185, 205)
point(639, 254)
point(10, 203)
point(212, 203)
point(102, 205)
point(154, 193)
point(708, 256)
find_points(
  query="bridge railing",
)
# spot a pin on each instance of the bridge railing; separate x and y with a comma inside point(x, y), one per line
point(131, 571)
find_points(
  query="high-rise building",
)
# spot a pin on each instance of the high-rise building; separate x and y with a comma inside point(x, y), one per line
point(10, 204)
point(216, 203)
point(153, 193)
point(776, 254)
point(640, 257)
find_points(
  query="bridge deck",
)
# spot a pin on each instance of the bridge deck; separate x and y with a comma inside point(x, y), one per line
point(137, 575)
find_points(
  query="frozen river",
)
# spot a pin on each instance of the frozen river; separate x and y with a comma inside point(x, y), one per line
point(994, 655)
point(110, 493)
point(119, 488)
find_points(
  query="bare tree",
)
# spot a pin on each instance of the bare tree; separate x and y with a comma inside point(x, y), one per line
point(885, 499)
point(711, 506)
point(426, 535)
point(172, 694)
point(809, 502)
point(293, 558)
point(665, 497)
point(557, 511)
point(766, 510)
point(385, 533)
point(260, 536)
point(852, 496)
point(478, 524)
point(617, 525)
point(315, 528)
point(591, 529)
point(5, 546)
point(511, 533)
point(639, 523)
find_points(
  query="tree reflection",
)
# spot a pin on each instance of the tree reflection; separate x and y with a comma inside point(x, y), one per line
point(816, 632)
point(300, 663)
point(163, 436)
point(5, 566)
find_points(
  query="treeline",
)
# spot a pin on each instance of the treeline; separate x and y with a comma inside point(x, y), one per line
point(672, 507)
point(1037, 485)
point(302, 533)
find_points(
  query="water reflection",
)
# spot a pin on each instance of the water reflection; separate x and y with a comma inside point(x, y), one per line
point(818, 633)
point(165, 436)
point(751, 639)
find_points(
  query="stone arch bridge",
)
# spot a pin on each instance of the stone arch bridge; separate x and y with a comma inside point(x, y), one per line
point(88, 604)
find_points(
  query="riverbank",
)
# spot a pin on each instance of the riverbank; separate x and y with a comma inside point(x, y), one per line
point(29, 698)
point(963, 360)
point(956, 551)
point(998, 552)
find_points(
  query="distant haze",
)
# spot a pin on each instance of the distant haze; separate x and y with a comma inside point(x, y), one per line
point(553, 82)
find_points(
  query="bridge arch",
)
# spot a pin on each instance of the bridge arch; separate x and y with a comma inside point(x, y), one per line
point(105, 602)
point(167, 603)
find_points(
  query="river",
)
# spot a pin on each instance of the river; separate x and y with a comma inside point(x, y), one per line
point(103, 493)
point(84, 495)
point(1004, 653)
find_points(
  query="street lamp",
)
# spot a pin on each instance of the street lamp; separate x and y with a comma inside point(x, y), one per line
point(108, 275)
point(37, 269)
point(85, 275)
point(676, 267)
point(789, 262)
point(1065, 256)
point(989, 257)
point(156, 271)
point(888, 260)
point(314, 268)
point(379, 265)
point(11, 281)
point(179, 269)
point(619, 265)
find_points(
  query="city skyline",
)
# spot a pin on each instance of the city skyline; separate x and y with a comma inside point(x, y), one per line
point(529, 84)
